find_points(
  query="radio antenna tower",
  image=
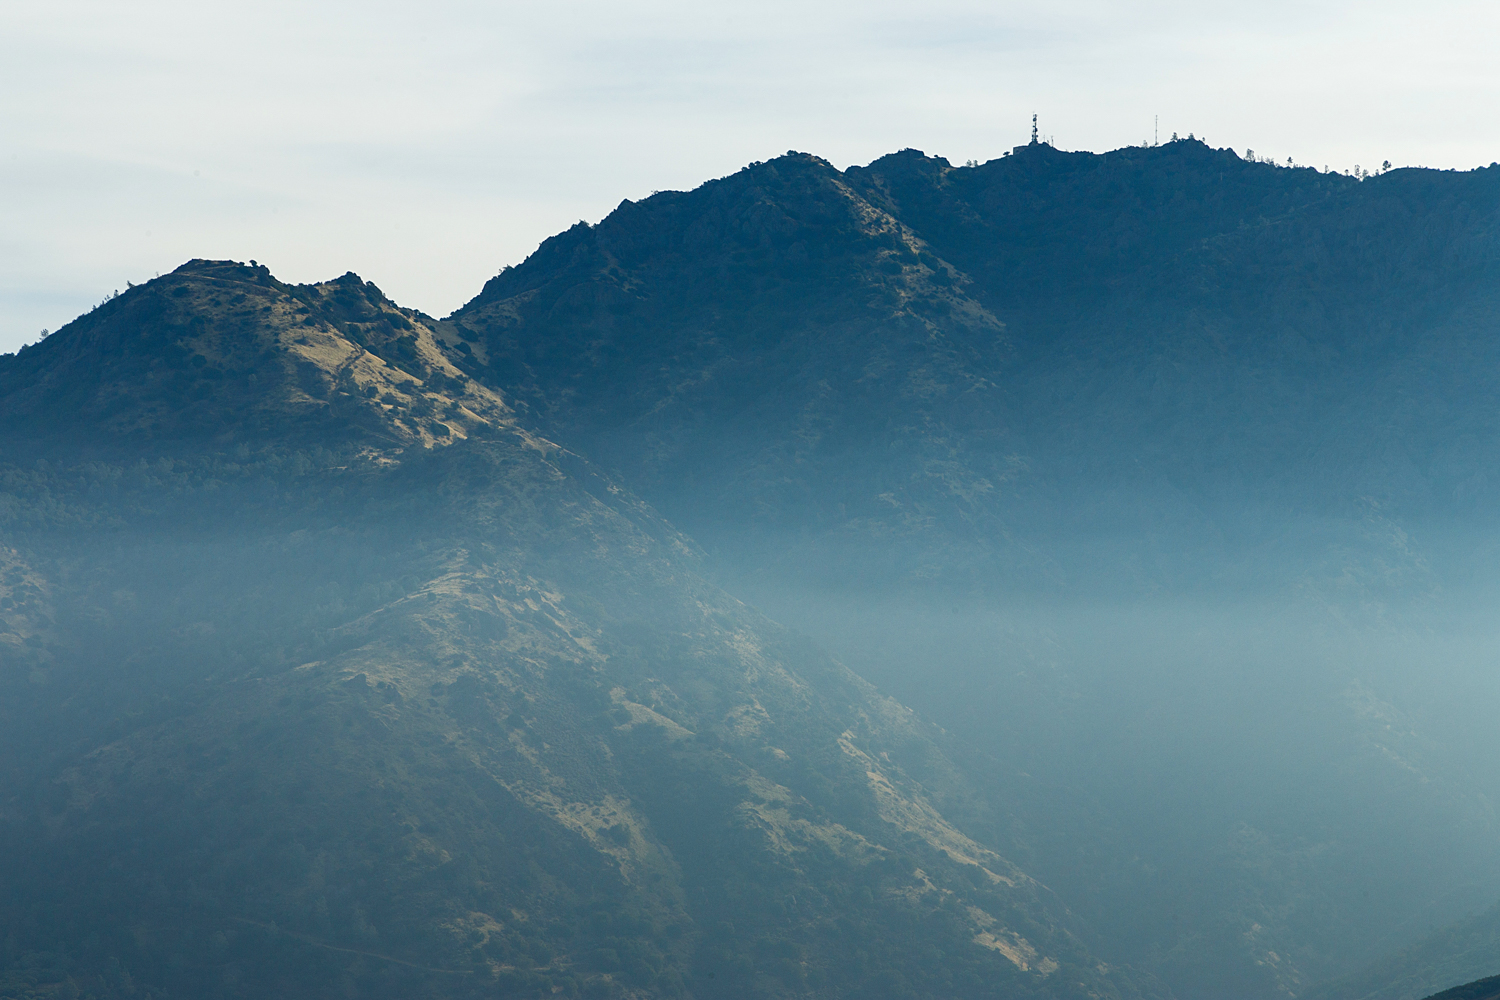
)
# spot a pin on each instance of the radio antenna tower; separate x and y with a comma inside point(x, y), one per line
point(1033, 130)
point(1156, 130)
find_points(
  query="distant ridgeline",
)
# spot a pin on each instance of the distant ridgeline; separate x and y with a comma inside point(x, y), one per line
point(1483, 989)
point(1453, 954)
point(348, 651)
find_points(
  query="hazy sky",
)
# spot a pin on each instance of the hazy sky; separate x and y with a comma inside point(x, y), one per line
point(426, 145)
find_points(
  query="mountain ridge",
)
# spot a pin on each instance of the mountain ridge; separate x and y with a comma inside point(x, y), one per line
point(968, 426)
point(357, 704)
point(400, 600)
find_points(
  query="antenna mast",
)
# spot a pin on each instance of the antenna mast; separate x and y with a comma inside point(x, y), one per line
point(1033, 130)
point(1156, 130)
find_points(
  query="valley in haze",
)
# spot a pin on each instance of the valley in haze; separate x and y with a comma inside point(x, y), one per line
point(1070, 575)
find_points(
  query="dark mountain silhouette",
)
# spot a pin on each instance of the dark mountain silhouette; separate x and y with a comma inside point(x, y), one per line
point(1453, 954)
point(1483, 989)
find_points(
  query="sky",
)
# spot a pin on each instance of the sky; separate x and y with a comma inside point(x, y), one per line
point(425, 146)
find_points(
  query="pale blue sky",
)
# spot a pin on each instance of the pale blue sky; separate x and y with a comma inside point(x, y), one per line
point(425, 146)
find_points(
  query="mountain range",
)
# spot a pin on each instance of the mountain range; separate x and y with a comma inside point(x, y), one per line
point(529, 652)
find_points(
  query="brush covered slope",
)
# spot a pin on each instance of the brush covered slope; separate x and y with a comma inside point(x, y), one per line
point(322, 675)
point(797, 359)
point(1164, 475)
point(785, 366)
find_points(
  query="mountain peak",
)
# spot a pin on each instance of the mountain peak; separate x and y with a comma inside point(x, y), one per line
point(224, 350)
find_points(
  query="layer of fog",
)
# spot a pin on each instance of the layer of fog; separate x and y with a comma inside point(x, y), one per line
point(1187, 770)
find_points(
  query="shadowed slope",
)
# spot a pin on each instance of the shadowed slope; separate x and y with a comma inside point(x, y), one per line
point(980, 374)
point(767, 353)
